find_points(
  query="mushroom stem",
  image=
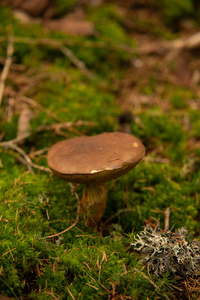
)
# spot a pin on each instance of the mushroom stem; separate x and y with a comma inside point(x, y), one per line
point(94, 202)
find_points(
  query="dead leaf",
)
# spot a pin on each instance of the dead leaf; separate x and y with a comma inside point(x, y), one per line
point(5, 298)
point(24, 17)
point(71, 26)
point(34, 8)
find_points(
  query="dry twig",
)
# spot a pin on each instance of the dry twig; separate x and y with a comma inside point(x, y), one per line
point(32, 154)
point(189, 43)
point(57, 45)
point(70, 42)
point(8, 62)
point(29, 162)
point(158, 160)
point(166, 213)
point(39, 106)
point(33, 165)
point(64, 125)
point(27, 159)
point(77, 62)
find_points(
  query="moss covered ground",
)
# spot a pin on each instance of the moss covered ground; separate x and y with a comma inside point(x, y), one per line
point(59, 86)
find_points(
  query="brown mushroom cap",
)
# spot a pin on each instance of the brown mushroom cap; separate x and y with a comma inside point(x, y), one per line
point(97, 158)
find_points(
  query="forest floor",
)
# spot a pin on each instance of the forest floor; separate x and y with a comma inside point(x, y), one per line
point(101, 66)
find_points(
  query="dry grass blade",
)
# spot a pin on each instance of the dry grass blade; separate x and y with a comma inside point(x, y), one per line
point(53, 296)
point(152, 283)
point(77, 215)
point(71, 295)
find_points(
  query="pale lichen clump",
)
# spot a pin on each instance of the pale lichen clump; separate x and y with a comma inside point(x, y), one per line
point(167, 251)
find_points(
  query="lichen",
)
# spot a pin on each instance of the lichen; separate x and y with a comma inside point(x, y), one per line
point(167, 251)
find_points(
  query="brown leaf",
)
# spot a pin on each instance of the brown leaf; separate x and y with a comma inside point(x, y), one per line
point(71, 26)
point(5, 298)
point(34, 8)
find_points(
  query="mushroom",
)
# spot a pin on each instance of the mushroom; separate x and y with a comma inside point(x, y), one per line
point(93, 161)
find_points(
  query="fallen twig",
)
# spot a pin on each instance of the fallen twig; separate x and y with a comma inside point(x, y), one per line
point(175, 46)
point(39, 106)
point(189, 43)
point(167, 215)
point(27, 159)
point(32, 154)
point(24, 155)
point(8, 62)
point(60, 45)
point(33, 165)
point(87, 44)
point(64, 125)
point(156, 160)
point(77, 62)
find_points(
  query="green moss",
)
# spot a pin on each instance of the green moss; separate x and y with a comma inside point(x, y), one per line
point(176, 9)
point(10, 128)
point(84, 263)
point(167, 133)
point(179, 97)
point(63, 7)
